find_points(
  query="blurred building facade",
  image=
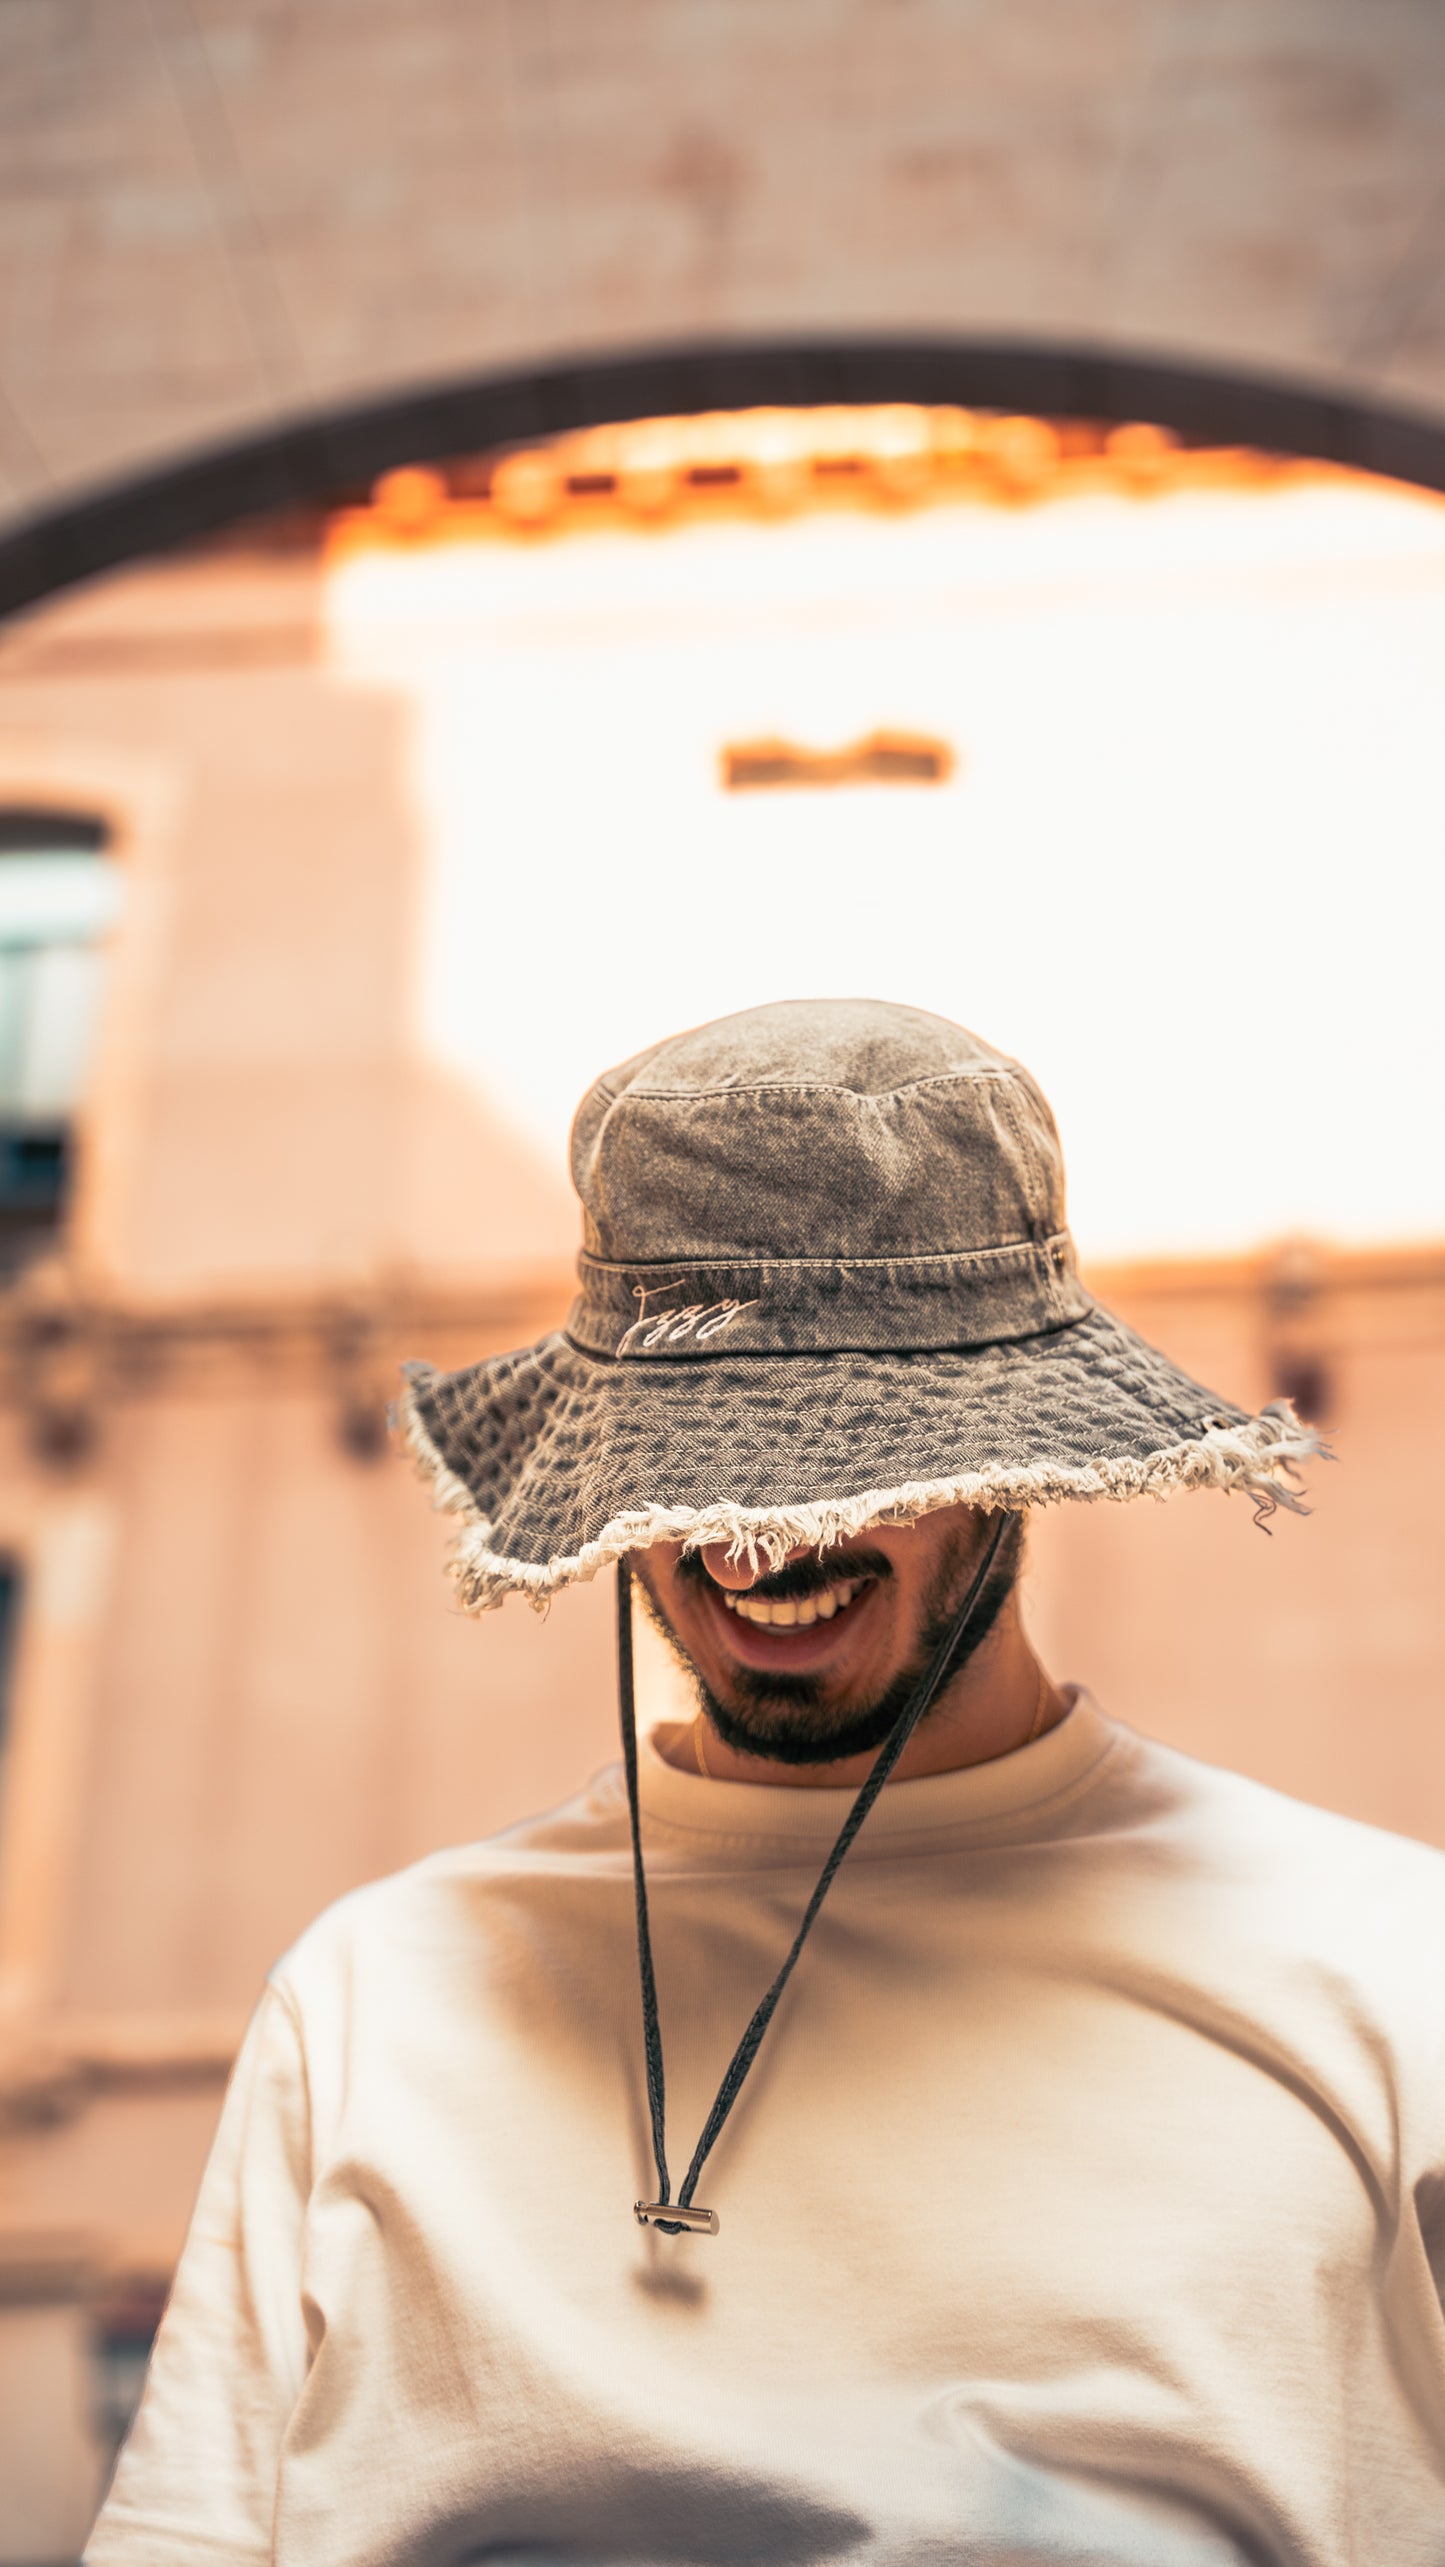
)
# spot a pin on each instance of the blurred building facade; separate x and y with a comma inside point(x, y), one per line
point(237, 1191)
point(235, 1686)
point(232, 1682)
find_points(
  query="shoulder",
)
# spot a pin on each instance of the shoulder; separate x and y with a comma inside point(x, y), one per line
point(419, 1922)
point(1244, 1826)
point(1354, 1906)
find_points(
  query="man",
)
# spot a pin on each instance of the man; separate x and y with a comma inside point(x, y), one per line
point(1069, 2119)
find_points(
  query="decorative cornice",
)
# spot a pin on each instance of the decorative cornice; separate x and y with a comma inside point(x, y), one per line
point(70, 1348)
point(772, 463)
point(49, 2072)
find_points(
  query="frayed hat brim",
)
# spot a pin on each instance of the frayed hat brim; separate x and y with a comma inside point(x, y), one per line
point(556, 1465)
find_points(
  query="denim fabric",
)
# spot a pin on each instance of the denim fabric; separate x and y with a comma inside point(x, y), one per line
point(819, 1176)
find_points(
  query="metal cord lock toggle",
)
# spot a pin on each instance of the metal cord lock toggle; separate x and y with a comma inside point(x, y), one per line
point(672, 2215)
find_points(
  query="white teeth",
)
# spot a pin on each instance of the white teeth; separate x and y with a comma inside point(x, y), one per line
point(793, 1615)
point(753, 1608)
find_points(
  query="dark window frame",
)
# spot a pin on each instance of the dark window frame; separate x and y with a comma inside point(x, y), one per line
point(37, 1152)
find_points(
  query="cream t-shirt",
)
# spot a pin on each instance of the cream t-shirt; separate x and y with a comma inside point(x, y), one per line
point(1080, 2206)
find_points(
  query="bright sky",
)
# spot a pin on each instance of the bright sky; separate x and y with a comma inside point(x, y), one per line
point(1189, 867)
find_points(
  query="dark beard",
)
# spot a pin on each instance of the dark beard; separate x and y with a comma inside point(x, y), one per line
point(789, 1719)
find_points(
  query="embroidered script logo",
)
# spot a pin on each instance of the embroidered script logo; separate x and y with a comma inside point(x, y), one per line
point(696, 1319)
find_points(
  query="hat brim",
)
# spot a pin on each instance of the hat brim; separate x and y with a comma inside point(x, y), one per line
point(558, 1462)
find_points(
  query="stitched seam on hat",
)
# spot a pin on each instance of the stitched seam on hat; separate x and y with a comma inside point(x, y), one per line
point(808, 1087)
point(608, 1361)
point(751, 1261)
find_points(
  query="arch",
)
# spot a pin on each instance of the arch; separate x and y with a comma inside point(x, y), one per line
point(323, 456)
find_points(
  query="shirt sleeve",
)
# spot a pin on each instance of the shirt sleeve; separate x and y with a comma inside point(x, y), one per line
point(196, 2480)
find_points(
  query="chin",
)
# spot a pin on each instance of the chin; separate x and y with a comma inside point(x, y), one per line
point(812, 1735)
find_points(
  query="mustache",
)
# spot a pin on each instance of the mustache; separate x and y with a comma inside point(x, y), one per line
point(798, 1579)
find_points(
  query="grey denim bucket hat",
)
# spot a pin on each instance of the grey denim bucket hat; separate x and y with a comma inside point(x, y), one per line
point(825, 1282)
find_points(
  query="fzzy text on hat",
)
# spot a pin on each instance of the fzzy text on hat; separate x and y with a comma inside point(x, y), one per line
point(825, 1282)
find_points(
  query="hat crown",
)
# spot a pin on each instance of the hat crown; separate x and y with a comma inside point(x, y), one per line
point(816, 1129)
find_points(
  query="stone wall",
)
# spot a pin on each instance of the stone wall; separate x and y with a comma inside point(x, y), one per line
point(220, 216)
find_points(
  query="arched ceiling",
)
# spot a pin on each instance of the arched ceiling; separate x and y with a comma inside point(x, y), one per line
point(222, 217)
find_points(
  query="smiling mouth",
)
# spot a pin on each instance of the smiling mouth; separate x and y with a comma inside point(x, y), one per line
point(794, 1613)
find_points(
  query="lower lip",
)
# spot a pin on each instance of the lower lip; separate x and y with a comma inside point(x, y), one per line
point(775, 1646)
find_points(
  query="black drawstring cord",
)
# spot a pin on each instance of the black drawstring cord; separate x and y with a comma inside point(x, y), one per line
point(746, 2052)
point(651, 2027)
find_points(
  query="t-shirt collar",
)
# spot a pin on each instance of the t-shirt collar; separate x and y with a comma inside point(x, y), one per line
point(970, 1796)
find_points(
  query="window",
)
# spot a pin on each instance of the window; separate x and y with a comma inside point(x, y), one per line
point(59, 894)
